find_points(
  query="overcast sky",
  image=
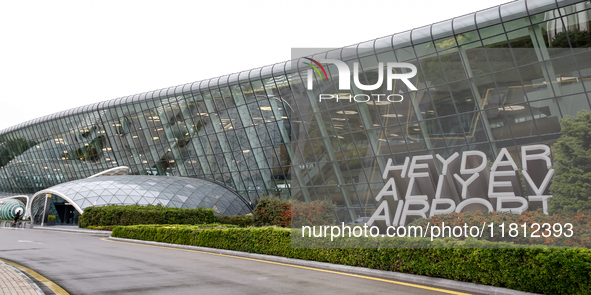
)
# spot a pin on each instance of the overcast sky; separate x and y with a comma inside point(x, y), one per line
point(57, 55)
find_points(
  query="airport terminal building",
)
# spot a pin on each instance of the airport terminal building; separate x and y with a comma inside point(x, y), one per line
point(499, 78)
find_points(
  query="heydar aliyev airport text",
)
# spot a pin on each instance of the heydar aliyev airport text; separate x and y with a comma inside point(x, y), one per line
point(419, 188)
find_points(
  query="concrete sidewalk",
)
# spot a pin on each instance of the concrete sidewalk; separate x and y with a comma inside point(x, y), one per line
point(12, 281)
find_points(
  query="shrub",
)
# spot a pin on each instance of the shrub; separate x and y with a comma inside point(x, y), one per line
point(271, 211)
point(312, 213)
point(50, 217)
point(240, 220)
point(135, 214)
point(540, 270)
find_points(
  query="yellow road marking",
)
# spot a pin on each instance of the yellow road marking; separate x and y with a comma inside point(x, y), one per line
point(298, 266)
point(51, 285)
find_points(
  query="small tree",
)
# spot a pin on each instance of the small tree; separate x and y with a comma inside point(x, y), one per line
point(571, 185)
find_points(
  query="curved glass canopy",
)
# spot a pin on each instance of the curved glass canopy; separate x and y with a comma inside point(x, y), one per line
point(178, 192)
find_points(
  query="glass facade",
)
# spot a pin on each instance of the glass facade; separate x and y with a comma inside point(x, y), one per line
point(498, 78)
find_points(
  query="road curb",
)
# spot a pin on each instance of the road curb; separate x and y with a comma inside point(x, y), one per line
point(75, 230)
point(25, 277)
point(407, 278)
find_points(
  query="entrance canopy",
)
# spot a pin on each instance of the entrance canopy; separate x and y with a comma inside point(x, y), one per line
point(168, 191)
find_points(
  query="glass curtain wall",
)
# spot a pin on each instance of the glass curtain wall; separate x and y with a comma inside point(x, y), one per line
point(498, 78)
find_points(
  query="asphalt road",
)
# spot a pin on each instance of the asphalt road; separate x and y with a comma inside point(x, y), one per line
point(88, 264)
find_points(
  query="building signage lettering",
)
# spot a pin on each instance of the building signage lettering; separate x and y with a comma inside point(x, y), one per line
point(417, 188)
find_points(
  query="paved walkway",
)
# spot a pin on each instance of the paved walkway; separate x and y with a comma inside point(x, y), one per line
point(13, 282)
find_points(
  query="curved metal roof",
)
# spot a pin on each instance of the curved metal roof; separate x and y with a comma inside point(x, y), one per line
point(484, 18)
point(169, 191)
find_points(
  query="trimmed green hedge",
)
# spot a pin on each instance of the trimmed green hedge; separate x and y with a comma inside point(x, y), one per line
point(135, 214)
point(240, 220)
point(541, 270)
